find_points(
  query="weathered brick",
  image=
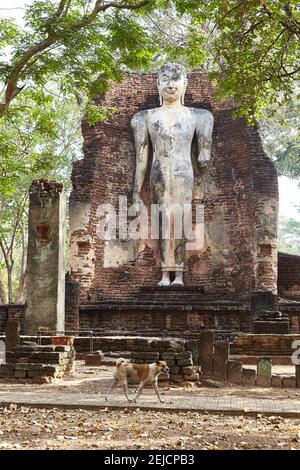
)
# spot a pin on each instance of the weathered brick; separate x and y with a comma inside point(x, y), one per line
point(277, 381)
point(93, 360)
point(220, 360)
point(20, 374)
point(189, 370)
point(206, 351)
point(248, 376)
point(167, 356)
point(147, 356)
point(185, 362)
point(176, 377)
point(235, 372)
point(298, 376)
point(289, 382)
point(12, 334)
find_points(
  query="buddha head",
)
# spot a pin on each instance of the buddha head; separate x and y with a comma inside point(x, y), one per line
point(171, 83)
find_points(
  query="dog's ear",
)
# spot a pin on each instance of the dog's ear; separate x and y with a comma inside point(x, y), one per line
point(157, 362)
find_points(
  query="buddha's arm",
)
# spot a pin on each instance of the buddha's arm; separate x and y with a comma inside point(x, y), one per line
point(141, 140)
point(204, 128)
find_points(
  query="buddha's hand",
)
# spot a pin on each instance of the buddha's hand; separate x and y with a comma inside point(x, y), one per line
point(204, 157)
point(136, 198)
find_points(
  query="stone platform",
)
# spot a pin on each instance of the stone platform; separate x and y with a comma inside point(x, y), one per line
point(155, 310)
point(38, 363)
point(177, 309)
point(168, 308)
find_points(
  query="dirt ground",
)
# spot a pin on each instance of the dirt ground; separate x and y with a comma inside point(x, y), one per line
point(30, 428)
point(27, 428)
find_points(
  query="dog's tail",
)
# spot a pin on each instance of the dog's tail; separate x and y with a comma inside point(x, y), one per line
point(120, 361)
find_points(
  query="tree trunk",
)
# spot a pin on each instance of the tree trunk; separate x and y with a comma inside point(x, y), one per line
point(2, 294)
point(22, 278)
point(21, 288)
point(9, 285)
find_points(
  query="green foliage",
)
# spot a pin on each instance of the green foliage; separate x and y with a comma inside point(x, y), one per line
point(255, 50)
point(252, 46)
point(249, 47)
point(94, 113)
point(280, 130)
point(9, 32)
point(39, 137)
point(178, 38)
point(68, 42)
point(289, 235)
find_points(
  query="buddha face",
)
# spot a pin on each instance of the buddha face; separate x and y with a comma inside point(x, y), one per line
point(171, 85)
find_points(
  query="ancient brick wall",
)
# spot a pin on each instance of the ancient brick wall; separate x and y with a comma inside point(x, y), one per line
point(3, 317)
point(240, 201)
point(161, 321)
point(12, 312)
point(289, 275)
point(72, 289)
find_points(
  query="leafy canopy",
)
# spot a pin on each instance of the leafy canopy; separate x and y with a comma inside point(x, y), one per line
point(77, 43)
point(39, 137)
point(289, 235)
point(280, 130)
point(252, 45)
point(256, 55)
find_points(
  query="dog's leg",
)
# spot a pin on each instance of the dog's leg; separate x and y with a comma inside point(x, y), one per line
point(156, 390)
point(112, 385)
point(141, 386)
point(125, 388)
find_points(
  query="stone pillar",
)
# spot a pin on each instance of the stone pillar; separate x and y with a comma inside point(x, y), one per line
point(12, 334)
point(266, 317)
point(289, 382)
point(266, 205)
point(248, 376)
point(235, 372)
point(220, 361)
point(206, 350)
point(45, 290)
point(72, 304)
point(264, 372)
point(260, 301)
point(298, 375)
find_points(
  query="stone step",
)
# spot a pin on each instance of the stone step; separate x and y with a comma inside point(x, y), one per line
point(252, 359)
point(168, 298)
point(117, 354)
point(180, 304)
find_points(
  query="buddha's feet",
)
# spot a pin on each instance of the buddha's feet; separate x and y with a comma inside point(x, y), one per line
point(177, 282)
point(164, 283)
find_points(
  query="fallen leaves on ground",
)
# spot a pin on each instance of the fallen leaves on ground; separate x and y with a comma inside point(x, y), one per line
point(30, 428)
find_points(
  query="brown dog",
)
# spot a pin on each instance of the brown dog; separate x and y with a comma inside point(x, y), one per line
point(139, 373)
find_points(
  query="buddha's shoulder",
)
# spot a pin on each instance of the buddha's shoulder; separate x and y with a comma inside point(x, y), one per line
point(201, 113)
point(139, 118)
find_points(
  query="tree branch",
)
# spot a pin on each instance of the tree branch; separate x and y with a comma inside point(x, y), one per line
point(290, 74)
point(295, 29)
point(2, 246)
point(61, 7)
point(100, 7)
point(12, 90)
